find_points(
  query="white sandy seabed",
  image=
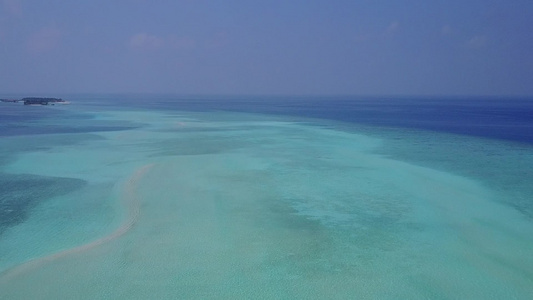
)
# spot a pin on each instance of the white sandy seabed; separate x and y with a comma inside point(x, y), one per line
point(242, 207)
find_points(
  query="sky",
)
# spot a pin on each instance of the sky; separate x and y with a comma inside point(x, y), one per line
point(275, 47)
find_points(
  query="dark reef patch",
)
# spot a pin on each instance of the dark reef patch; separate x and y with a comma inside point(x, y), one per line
point(20, 193)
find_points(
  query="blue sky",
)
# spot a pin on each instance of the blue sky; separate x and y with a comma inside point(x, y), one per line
point(359, 47)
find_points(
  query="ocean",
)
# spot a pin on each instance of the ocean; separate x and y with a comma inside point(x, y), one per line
point(248, 197)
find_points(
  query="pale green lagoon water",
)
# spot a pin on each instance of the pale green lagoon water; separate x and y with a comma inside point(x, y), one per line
point(240, 206)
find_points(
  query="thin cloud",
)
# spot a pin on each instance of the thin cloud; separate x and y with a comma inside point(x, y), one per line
point(181, 43)
point(146, 41)
point(477, 42)
point(44, 40)
point(393, 27)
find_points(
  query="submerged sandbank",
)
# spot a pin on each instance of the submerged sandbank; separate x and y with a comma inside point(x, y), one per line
point(131, 204)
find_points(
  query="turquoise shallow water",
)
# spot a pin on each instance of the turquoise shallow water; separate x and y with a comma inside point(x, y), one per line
point(222, 205)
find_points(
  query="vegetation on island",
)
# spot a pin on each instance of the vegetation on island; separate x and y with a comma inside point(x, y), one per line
point(37, 101)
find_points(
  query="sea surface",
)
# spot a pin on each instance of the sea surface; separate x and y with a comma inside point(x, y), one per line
point(175, 197)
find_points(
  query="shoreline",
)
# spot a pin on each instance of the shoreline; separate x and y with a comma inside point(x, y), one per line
point(129, 200)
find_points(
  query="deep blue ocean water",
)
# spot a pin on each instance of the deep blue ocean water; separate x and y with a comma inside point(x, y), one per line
point(498, 118)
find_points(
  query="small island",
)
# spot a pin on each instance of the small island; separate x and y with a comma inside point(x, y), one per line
point(37, 101)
